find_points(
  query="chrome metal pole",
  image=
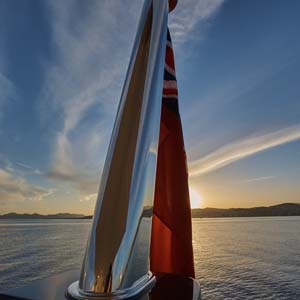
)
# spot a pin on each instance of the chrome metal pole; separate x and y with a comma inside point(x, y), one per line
point(116, 262)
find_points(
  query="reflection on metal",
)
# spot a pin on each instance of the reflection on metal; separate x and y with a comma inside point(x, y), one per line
point(141, 286)
point(113, 266)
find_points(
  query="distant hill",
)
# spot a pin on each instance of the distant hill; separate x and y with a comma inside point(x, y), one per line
point(285, 209)
point(38, 216)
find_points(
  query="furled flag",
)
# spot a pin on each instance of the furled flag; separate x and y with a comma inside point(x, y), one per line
point(171, 238)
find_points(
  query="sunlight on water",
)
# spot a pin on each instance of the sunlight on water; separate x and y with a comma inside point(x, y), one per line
point(242, 258)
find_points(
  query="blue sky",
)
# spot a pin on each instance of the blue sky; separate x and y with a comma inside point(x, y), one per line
point(62, 65)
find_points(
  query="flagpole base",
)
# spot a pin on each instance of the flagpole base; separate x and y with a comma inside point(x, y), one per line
point(141, 286)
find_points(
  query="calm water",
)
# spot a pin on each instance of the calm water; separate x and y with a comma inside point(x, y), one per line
point(241, 258)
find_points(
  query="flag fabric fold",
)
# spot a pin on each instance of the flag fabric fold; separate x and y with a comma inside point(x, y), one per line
point(171, 237)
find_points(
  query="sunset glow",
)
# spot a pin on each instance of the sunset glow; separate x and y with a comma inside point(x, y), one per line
point(52, 154)
point(195, 198)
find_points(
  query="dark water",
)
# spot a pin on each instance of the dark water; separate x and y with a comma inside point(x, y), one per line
point(241, 258)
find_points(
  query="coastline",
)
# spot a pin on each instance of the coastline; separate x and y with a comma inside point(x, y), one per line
point(281, 210)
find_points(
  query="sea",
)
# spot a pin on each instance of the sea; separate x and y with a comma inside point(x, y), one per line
point(235, 258)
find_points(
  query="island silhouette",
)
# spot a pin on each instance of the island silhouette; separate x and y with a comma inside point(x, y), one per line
point(284, 209)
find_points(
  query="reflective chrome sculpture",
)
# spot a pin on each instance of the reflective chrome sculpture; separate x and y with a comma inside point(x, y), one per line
point(113, 267)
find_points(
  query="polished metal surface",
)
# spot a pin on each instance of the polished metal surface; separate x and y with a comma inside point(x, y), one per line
point(141, 286)
point(113, 263)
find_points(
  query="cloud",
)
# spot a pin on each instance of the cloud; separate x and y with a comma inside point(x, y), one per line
point(30, 169)
point(8, 92)
point(262, 178)
point(86, 184)
point(24, 165)
point(91, 197)
point(189, 14)
point(91, 47)
point(240, 149)
point(14, 188)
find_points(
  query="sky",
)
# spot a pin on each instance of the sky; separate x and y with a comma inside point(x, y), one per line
point(62, 66)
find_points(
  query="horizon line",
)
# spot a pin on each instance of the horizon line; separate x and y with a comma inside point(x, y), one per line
point(68, 213)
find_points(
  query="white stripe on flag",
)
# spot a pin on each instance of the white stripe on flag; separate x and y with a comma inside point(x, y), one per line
point(170, 84)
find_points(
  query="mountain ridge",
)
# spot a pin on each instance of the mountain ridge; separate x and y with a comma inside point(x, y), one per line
point(40, 216)
point(284, 209)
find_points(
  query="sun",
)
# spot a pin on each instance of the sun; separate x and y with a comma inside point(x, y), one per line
point(195, 198)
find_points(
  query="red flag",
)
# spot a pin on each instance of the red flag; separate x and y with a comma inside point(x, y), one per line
point(171, 237)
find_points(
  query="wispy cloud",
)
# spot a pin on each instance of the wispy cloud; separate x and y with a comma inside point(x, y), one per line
point(8, 92)
point(91, 197)
point(83, 82)
point(240, 149)
point(15, 188)
point(24, 165)
point(189, 14)
point(255, 179)
point(233, 183)
point(84, 183)
point(29, 168)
